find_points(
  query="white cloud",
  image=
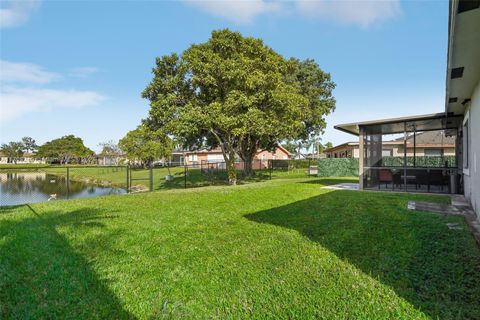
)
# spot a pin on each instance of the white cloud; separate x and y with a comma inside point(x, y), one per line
point(357, 12)
point(25, 72)
point(238, 11)
point(82, 72)
point(15, 102)
point(17, 12)
point(19, 97)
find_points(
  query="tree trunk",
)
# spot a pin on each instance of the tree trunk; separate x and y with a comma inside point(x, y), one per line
point(229, 157)
point(248, 150)
point(248, 165)
point(231, 170)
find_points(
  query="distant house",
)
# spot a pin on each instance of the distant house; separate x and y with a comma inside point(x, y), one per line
point(429, 143)
point(26, 158)
point(111, 160)
point(344, 150)
point(314, 156)
point(208, 156)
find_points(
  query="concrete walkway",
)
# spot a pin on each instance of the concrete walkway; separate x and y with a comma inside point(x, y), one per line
point(459, 207)
point(343, 186)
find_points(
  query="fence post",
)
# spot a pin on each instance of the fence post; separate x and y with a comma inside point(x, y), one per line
point(68, 182)
point(151, 178)
point(128, 178)
point(185, 174)
point(271, 168)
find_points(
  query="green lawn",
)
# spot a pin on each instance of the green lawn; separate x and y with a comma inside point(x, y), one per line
point(277, 249)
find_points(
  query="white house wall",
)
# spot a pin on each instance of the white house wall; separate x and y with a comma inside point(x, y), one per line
point(472, 177)
point(356, 152)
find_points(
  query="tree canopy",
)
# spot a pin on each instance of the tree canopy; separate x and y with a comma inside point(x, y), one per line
point(29, 144)
point(110, 149)
point(238, 94)
point(12, 150)
point(145, 145)
point(65, 149)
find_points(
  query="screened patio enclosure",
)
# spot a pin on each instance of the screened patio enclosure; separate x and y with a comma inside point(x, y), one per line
point(414, 154)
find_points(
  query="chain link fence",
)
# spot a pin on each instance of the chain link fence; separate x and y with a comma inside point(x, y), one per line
point(37, 183)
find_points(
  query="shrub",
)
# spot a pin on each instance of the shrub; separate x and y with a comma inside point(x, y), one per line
point(421, 161)
point(337, 167)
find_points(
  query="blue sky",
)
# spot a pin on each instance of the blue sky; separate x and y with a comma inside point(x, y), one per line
point(78, 67)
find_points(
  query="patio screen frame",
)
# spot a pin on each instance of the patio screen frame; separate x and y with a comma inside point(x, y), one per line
point(403, 177)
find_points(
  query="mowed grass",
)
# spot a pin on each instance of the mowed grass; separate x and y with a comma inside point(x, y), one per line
point(279, 249)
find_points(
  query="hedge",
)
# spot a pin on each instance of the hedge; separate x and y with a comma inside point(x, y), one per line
point(337, 167)
point(421, 161)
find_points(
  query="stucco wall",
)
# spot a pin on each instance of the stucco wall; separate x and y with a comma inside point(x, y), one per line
point(472, 177)
point(279, 154)
point(356, 152)
point(202, 156)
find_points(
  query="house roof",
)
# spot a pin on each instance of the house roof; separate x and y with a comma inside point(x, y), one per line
point(340, 146)
point(431, 138)
point(463, 64)
point(427, 139)
point(283, 149)
point(433, 121)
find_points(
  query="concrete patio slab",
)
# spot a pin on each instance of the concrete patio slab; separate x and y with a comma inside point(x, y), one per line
point(343, 186)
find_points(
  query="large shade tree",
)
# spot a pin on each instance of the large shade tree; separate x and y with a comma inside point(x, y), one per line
point(66, 149)
point(238, 94)
point(146, 145)
point(12, 150)
point(29, 144)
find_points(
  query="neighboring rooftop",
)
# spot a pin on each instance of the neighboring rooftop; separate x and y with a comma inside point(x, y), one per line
point(433, 121)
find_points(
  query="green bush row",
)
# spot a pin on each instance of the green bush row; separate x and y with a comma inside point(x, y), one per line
point(337, 167)
point(347, 167)
point(421, 161)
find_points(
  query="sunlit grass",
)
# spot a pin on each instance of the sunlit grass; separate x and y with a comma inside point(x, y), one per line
point(283, 248)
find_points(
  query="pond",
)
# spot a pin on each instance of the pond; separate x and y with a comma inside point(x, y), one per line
point(29, 187)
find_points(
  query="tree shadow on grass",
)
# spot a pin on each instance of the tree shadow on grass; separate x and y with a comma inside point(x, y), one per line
point(434, 268)
point(42, 275)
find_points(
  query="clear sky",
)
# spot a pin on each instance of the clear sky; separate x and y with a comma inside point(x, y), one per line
point(78, 67)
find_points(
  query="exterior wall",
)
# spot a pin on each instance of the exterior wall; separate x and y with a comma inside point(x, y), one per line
point(343, 152)
point(21, 160)
point(203, 156)
point(472, 175)
point(356, 152)
point(279, 154)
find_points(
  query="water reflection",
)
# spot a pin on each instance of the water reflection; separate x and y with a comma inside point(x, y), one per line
point(28, 187)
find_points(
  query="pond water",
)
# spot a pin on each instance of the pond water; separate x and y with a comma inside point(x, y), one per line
point(29, 187)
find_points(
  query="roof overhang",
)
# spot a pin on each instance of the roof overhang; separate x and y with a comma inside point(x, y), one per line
point(463, 65)
point(426, 122)
point(341, 146)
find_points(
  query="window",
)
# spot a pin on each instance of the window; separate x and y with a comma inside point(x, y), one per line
point(193, 157)
point(387, 152)
point(215, 158)
point(465, 142)
point(433, 152)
